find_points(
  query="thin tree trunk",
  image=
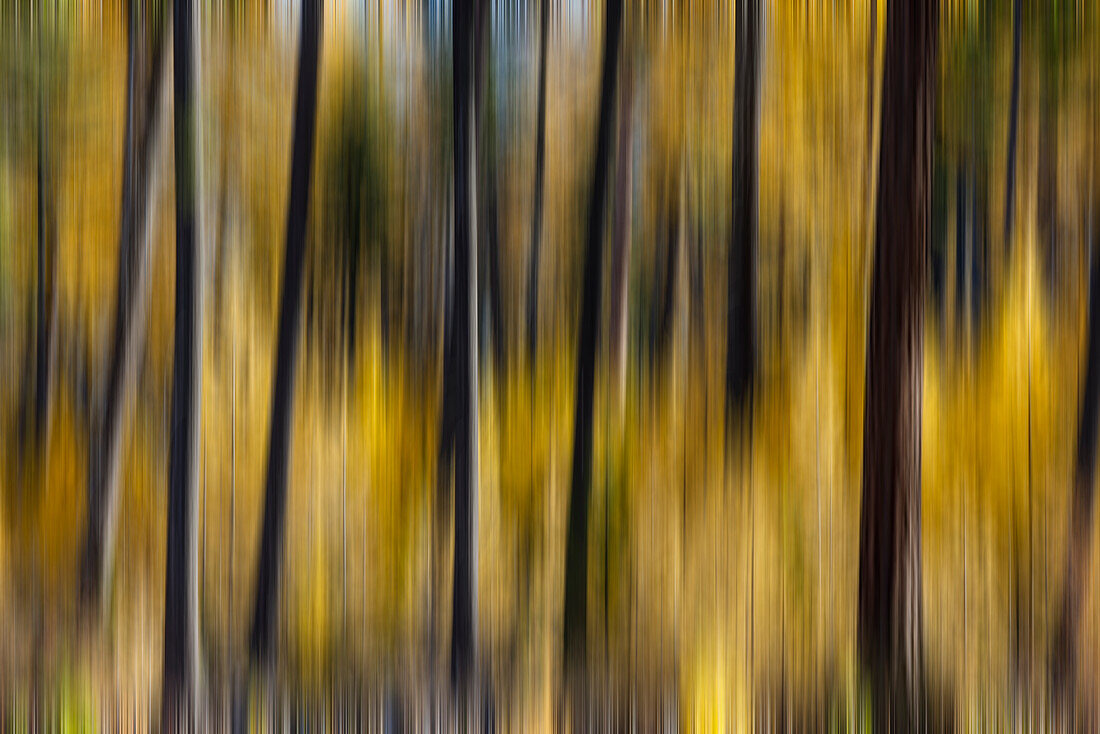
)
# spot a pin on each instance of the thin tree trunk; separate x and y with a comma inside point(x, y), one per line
point(673, 246)
point(741, 312)
point(140, 163)
point(576, 549)
point(262, 636)
point(488, 196)
point(46, 336)
point(1013, 123)
point(540, 173)
point(1047, 204)
point(181, 607)
point(464, 352)
point(621, 243)
point(1079, 531)
point(889, 600)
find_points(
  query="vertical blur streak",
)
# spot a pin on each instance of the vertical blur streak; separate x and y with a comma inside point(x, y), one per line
point(265, 604)
point(181, 608)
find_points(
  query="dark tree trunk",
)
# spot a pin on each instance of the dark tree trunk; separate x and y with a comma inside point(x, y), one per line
point(1047, 194)
point(46, 316)
point(673, 245)
point(1079, 531)
point(741, 311)
point(576, 549)
point(181, 608)
point(464, 355)
point(536, 217)
point(146, 69)
point(1013, 123)
point(888, 612)
point(262, 638)
point(488, 197)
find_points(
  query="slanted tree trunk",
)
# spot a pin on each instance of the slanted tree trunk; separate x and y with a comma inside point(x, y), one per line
point(621, 232)
point(889, 599)
point(741, 311)
point(146, 68)
point(1079, 531)
point(265, 606)
point(488, 197)
point(536, 216)
point(181, 605)
point(464, 353)
point(1013, 123)
point(576, 549)
point(46, 317)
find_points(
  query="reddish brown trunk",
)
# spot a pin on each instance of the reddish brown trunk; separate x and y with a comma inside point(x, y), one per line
point(889, 618)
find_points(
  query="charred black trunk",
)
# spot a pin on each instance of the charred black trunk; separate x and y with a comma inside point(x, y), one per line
point(576, 549)
point(181, 609)
point(889, 600)
point(286, 356)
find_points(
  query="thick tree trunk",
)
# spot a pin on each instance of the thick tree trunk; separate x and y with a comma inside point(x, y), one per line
point(146, 69)
point(889, 601)
point(1079, 530)
point(536, 217)
point(576, 549)
point(741, 311)
point(262, 636)
point(181, 608)
point(1013, 123)
point(464, 353)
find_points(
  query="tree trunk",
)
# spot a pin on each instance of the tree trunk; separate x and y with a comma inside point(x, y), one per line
point(1013, 123)
point(1047, 194)
point(741, 311)
point(1079, 530)
point(262, 636)
point(621, 243)
point(464, 353)
point(488, 197)
point(888, 612)
point(576, 549)
point(536, 217)
point(146, 69)
point(46, 316)
point(181, 609)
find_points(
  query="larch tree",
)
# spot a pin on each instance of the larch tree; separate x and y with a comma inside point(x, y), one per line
point(889, 597)
point(181, 601)
point(265, 604)
point(575, 617)
point(145, 89)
